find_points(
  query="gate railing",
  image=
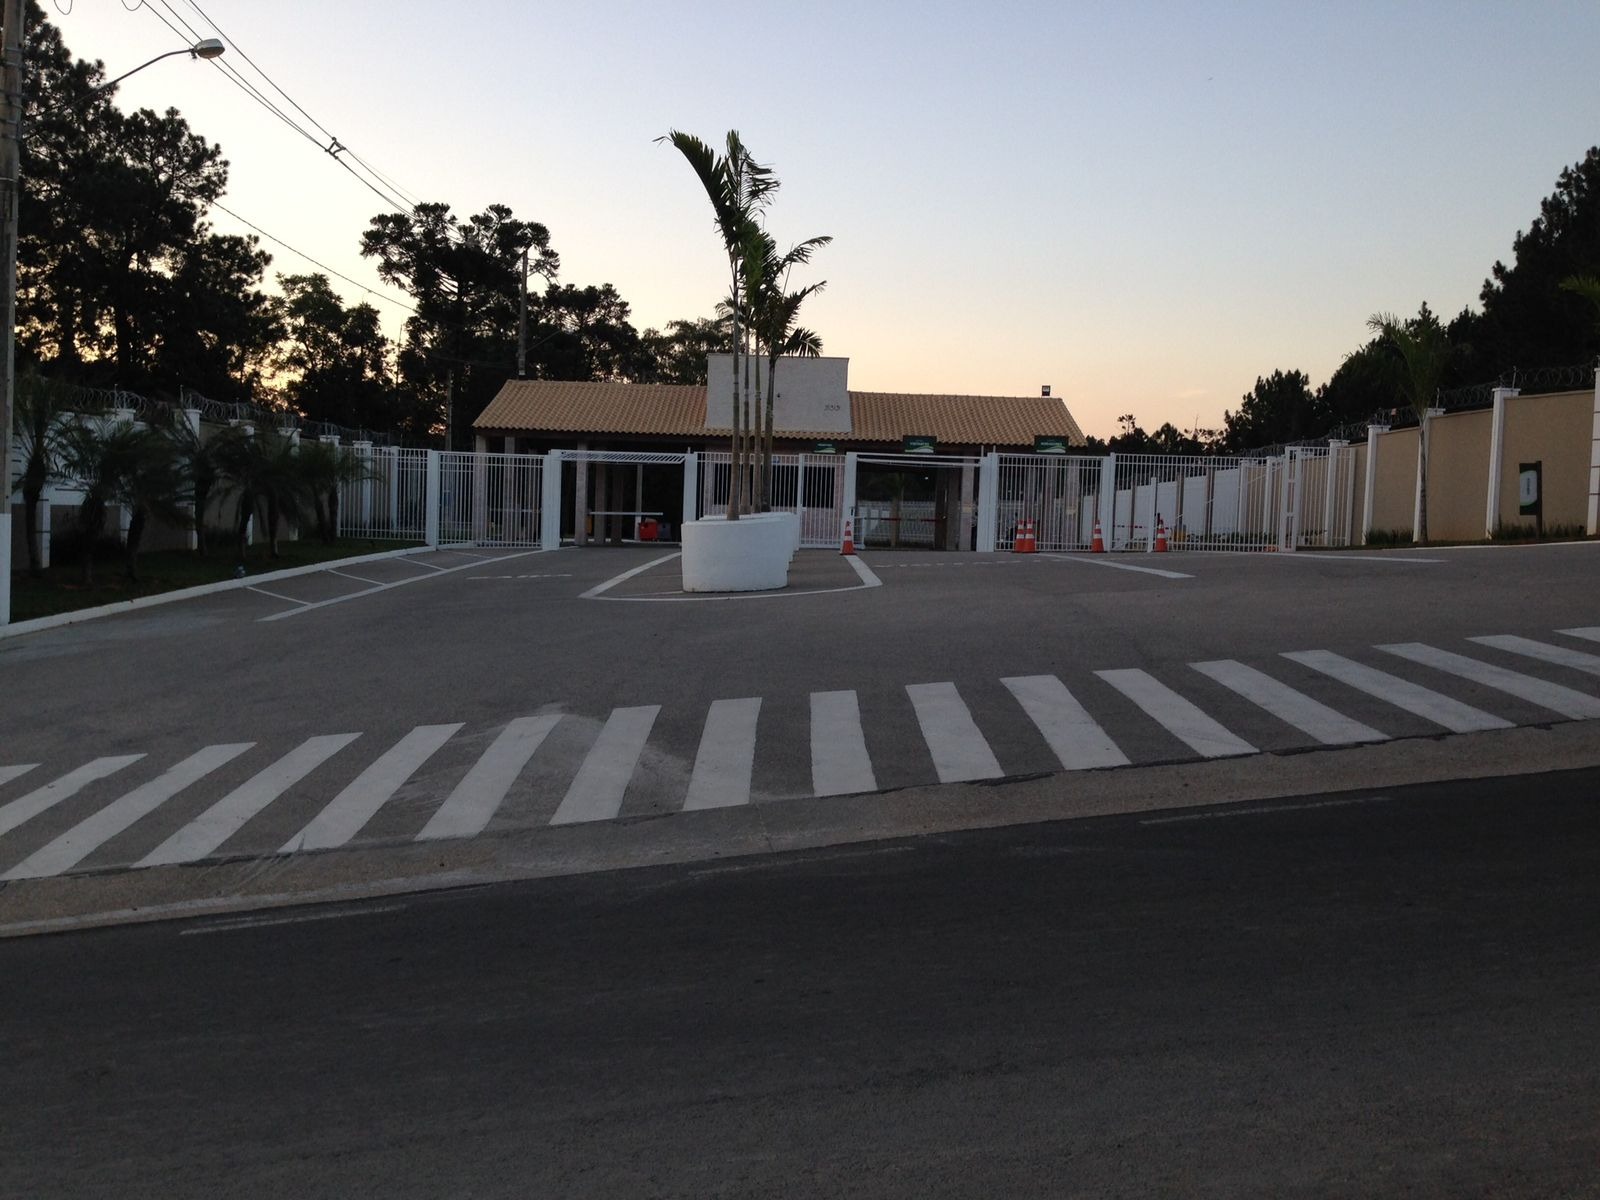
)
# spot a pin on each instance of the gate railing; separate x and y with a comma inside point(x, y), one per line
point(390, 501)
point(809, 485)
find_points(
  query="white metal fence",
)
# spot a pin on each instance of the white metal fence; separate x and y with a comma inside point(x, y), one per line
point(1059, 493)
point(810, 485)
point(489, 499)
point(391, 500)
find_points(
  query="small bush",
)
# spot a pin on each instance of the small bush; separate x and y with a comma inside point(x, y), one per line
point(1528, 532)
point(1388, 537)
point(66, 546)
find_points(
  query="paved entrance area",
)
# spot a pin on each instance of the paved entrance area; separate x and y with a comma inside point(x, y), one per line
point(482, 694)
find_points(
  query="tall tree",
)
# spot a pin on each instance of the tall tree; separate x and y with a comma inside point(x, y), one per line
point(336, 360)
point(1528, 320)
point(678, 354)
point(1280, 408)
point(1424, 351)
point(466, 279)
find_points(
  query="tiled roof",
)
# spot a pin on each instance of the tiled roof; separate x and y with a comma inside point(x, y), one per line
point(679, 410)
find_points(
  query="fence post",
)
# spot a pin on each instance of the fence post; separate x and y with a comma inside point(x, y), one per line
point(1106, 506)
point(988, 501)
point(550, 502)
point(431, 501)
point(391, 516)
point(1337, 451)
point(364, 453)
point(1369, 485)
point(1497, 455)
point(691, 489)
point(848, 506)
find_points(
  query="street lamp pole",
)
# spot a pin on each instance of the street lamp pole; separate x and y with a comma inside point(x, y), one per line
point(12, 50)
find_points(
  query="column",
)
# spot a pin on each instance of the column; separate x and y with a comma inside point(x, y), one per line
point(550, 502)
point(364, 496)
point(1107, 509)
point(430, 507)
point(847, 506)
point(969, 506)
point(602, 501)
point(691, 489)
point(638, 497)
point(580, 501)
point(1370, 484)
point(988, 501)
point(1497, 455)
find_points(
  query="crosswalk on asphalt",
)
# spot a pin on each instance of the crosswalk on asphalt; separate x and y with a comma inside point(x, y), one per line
point(88, 817)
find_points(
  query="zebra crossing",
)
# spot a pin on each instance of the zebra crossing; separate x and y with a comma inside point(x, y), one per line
point(131, 810)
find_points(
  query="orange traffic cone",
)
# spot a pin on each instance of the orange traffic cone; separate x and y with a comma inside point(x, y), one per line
point(1025, 542)
point(1161, 537)
point(848, 544)
point(1098, 546)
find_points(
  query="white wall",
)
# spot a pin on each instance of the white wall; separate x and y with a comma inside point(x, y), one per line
point(813, 393)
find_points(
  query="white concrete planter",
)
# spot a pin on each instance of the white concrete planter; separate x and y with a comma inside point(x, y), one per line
point(751, 554)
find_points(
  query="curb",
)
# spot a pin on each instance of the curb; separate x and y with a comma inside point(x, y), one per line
point(38, 624)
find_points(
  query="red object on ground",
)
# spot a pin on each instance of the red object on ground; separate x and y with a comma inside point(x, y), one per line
point(847, 544)
point(1025, 542)
point(1161, 538)
point(1098, 546)
point(649, 529)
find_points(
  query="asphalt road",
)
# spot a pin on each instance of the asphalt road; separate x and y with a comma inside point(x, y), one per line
point(1345, 996)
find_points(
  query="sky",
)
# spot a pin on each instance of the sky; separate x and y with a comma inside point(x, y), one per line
point(1145, 206)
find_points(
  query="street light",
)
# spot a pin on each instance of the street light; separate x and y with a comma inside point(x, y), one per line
point(11, 52)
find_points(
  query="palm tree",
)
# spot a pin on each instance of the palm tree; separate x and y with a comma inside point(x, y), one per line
point(324, 469)
point(1587, 286)
point(1424, 351)
point(261, 471)
point(152, 483)
point(39, 406)
point(112, 463)
point(200, 460)
point(739, 189)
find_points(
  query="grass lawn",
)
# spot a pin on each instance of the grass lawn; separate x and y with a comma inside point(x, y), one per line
point(164, 571)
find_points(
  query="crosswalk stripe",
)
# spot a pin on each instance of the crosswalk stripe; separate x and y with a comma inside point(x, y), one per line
point(227, 816)
point(839, 762)
point(1068, 729)
point(1544, 651)
point(1178, 716)
point(602, 781)
point(483, 789)
point(1402, 693)
point(958, 748)
point(1589, 633)
point(77, 843)
point(1555, 697)
point(348, 812)
point(23, 808)
point(726, 757)
point(7, 774)
point(1328, 726)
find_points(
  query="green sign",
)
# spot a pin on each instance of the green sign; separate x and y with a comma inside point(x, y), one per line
point(1049, 445)
point(916, 443)
point(824, 448)
point(1529, 476)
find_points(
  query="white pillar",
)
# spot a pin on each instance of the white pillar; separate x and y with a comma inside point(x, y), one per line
point(638, 497)
point(691, 488)
point(969, 504)
point(580, 502)
point(1107, 504)
point(550, 502)
point(192, 417)
point(1422, 441)
point(1497, 456)
point(480, 488)
point(1370, 483)
point(848, 507)
point(5, 574)
point(391, 513)
point(988, 501)
point(430, 520)
point(364, 511)
point(1594, 462)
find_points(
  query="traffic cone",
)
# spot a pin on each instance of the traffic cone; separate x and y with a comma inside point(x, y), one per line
point(848, 544)
point(1025, 542)
point(1098, 546)
point(1161, 537)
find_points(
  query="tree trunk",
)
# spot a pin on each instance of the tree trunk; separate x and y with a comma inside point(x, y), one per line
point(763, 496)
point(735, 493)
point(1422, 480)
point(772, 399)
point(247, 502)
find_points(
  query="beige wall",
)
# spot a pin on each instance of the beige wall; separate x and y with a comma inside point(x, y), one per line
point(1556, 430)
point(1458, 475)
point(1358, 491)
point(1394, 499)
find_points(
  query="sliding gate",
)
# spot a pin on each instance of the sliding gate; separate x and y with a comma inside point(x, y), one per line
point(812, 486)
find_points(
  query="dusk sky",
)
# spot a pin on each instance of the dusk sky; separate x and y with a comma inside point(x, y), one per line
point(1145, 206)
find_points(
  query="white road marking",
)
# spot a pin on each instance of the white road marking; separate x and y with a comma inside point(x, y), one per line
point(7, 774)
point(357, 578)
point(1402, 693)
point(23, 808)
point(602, 781)
point(1097, 561)
point(77, 843)
point(839, 762)
point(1078, 741)
point(1590, 633)
point(1564, 700)
point(601, 588)
point(958, 748)
point(483, 789)
point(1176, 715)
point(1544, 651)
point(1379, 556)
point(384, 587)
point(261, 591)
point(1328, 726)
point(868, 577)
point(727, 755)
point(348, 812)
point(227, 816)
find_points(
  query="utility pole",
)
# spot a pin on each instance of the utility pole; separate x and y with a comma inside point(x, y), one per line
point(11, 49)
point(522, 324)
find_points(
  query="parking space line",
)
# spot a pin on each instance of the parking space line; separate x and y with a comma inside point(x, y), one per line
point(1116, 566)
point(275, 595)
point(357, 578)
point(307, 606)
point(599, 588)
